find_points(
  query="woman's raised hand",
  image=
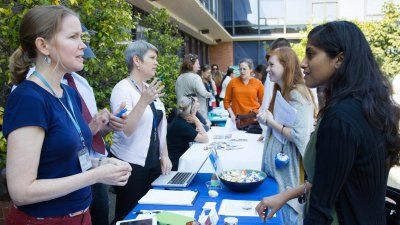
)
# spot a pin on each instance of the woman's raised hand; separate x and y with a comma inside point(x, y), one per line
point(152, 92)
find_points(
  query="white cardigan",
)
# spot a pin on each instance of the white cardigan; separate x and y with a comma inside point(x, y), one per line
point(133, 149)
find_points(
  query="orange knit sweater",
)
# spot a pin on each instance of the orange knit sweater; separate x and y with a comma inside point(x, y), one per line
point(243, 98)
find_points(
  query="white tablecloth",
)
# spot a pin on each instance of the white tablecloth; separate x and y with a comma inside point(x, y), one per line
point(248, 157)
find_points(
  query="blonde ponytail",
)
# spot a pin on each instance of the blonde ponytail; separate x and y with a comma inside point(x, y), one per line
point(19, 65)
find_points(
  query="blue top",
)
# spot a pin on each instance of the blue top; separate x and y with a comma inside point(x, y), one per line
point(31, 105)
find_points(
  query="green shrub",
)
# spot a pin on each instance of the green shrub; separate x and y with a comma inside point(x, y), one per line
point(164, 34)
point(109, 23)
point(383, 37)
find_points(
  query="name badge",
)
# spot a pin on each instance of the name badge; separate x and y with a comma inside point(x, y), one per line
point(84, 159)
point(159, 105)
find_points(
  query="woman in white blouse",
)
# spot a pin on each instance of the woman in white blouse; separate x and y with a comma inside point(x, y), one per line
point(225, 81)
point(143, 141)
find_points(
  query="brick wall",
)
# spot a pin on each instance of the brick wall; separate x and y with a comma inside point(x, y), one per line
point(221, 54)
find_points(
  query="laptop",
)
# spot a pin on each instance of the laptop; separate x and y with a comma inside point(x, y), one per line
point(177, 179)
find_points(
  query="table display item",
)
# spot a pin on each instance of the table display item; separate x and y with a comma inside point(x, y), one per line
point(223, 145)
point(242, 180)
point(231, 221)
point(168, 218)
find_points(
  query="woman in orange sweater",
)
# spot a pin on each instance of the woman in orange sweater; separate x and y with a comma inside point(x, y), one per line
point(244, 93)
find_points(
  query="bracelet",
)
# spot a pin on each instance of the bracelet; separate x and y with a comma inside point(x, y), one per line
point(283, 126)
point(303, 198)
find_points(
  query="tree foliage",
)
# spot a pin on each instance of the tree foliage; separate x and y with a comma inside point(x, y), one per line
point(109, 23)
point(164, 34)
point(383, 37)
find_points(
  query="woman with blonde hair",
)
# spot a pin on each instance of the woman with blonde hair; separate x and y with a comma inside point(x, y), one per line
point(49, 170)
point(185, 128)
point(283, 157)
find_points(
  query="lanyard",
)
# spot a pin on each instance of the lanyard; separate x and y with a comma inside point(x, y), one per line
point(155, 120)
point(72, 116)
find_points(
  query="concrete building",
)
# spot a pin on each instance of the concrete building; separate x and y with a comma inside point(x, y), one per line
point(224, 31)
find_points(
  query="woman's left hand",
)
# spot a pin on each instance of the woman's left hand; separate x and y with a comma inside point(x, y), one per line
point(270, 205)
point(118, 123)
point(265, 117)
point(166, 165)
point(99, 121)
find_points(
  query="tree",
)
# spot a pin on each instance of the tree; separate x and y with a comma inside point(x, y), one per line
point(384, 40)
point(164, 34)
point(109, 23)
point(383, 37)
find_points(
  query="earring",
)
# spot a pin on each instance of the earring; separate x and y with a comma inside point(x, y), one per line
point(47, 60)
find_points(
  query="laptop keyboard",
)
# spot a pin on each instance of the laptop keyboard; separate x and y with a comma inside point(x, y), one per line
point(180, 178)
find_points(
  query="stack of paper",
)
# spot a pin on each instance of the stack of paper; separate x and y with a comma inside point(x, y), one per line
point(238, 208)
point(284, 114)
point(169, 197)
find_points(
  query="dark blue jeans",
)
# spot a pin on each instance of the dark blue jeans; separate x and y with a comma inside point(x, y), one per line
point(99, 207)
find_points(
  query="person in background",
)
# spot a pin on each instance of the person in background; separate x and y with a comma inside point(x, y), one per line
point(244, 94)
point(189, 82)
point(185, 128)
point(284, 70)
point(214, 70)
point(357, 138)
point(54, 187)
point(261, 73)
point(225, 81)
point(218, 83)
point(142, 143)
point(209, 84)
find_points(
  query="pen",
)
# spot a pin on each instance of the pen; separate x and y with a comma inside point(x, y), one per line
point(147, 212)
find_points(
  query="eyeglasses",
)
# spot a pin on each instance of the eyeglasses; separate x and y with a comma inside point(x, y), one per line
point(244, 69)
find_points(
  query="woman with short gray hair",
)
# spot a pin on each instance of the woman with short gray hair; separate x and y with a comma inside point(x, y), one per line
point(143, 141)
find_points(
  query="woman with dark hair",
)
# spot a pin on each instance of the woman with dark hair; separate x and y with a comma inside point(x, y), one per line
point(209, 84)
point(261, 73)
point(189, 82)
point(225, 81)
point(356, 140)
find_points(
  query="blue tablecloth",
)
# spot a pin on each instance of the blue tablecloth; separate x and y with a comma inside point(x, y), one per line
point(269, 187)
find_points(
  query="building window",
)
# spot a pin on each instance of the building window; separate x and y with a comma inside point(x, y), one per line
point(373, 10)
point(324, 11)
point(245, 12)
point(254, 50)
